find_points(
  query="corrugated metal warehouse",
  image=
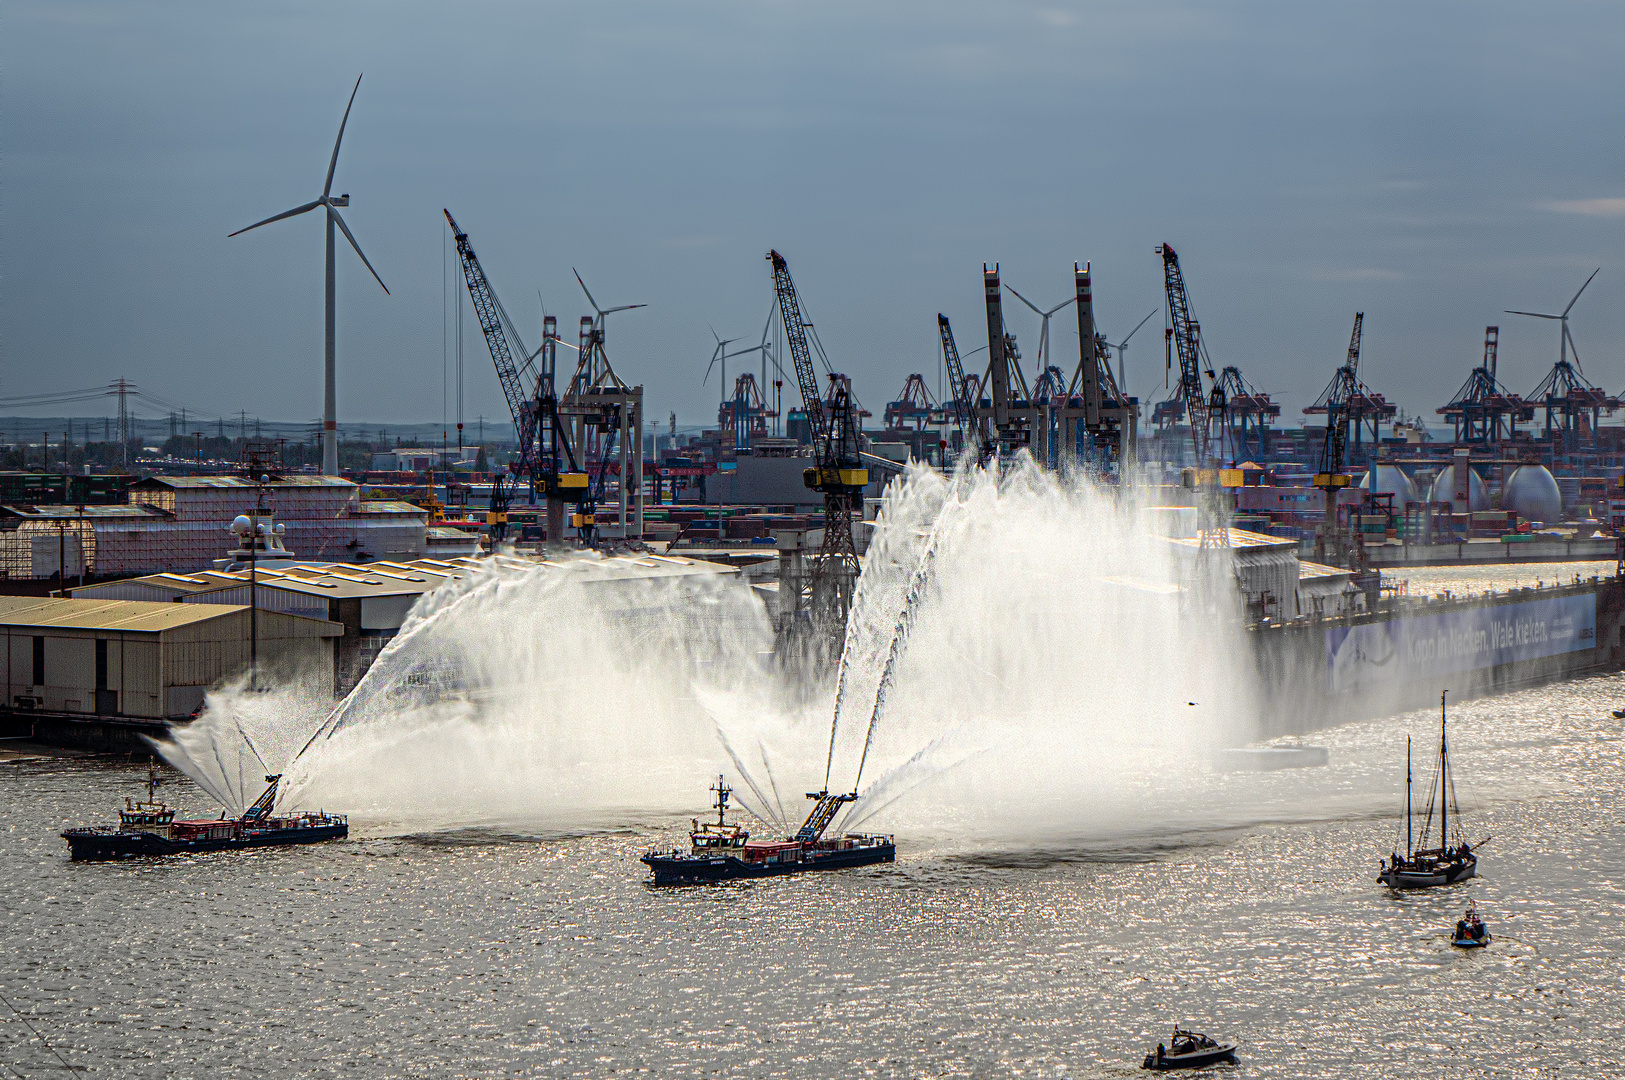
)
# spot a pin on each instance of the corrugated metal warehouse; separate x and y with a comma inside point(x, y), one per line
point(149, 661)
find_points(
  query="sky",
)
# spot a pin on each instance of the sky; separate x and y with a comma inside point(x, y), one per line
point(1428, 164)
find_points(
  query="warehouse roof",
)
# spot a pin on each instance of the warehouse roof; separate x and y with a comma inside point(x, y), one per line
point(350, 581)
point(239, 482)
point(138, 616)
point(71, 512)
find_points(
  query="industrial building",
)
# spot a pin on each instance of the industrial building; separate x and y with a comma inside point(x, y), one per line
point(179, 523)
point(142, 660)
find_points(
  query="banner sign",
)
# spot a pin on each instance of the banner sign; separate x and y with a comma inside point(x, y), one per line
point(1417, 649)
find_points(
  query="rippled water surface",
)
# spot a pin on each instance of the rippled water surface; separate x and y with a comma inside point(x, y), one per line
point(500, 952)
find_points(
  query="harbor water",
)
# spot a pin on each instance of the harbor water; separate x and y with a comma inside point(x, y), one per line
point(510, 949)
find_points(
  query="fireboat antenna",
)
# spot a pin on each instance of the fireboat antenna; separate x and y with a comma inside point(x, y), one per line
point(723, 791)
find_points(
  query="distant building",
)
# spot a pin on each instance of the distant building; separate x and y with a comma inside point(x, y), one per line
point(182, 523)
point(424, 458)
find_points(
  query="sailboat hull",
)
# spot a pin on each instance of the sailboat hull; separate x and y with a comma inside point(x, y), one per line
point(1425, 878)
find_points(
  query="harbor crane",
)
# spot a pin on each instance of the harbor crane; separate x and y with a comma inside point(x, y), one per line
point(1330, 477)
point(1012, 429)
point(971, 424)
point(837, 473)
point(1482, 403)
point(546, 457)
point(1110, 417)
point(1185, 336)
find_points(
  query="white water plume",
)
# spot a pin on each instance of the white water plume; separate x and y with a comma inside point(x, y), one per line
point(548, 694)
point(1058, 656)
point(1055, 672)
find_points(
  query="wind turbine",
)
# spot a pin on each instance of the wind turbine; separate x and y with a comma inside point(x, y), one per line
point(601, 313)
point(1043, 333)
point(1122, 347)
point(330, 203)
point(1565, 343)
point(721, 353)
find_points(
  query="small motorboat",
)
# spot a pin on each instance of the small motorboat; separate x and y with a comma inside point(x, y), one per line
point(1619, 714)
point(1189, 1050)
point(1470, 933)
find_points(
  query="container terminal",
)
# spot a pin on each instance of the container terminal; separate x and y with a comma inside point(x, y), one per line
point(99, 539)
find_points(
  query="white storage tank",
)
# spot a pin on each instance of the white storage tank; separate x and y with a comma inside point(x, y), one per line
point(1444, 489)
point(1533, 493)
point(1390, 479)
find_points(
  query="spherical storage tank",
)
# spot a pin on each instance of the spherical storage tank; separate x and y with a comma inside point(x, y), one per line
point(1533, 493)
point(1386, 479)
point(1444, 489)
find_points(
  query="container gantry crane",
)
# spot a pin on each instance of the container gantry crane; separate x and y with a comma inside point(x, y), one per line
point(546, 457)
point(837, 472)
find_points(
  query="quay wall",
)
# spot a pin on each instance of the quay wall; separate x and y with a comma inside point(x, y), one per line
point(1317, 673)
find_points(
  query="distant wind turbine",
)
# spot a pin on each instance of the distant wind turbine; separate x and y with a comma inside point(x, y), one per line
point(1043, 333)
point(331, 203)
point(1122, 347)
point(1565, 343)
point(721, 353)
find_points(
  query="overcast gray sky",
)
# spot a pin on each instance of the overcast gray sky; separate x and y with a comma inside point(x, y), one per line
point(1430, 164)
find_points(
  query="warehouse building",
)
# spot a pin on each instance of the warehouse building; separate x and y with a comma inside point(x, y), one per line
point(141, 660)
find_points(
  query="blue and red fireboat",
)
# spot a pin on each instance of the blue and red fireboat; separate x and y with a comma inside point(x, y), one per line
point(720, 851)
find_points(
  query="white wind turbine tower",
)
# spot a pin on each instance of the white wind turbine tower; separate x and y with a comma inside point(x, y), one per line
point(330, 203)
point(1565, 343)
point(1122, 347)
point(1043, 333)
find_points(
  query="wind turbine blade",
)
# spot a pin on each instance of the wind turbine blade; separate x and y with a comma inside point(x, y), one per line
point(327, 187)
point(1136, 330)
point(1058, 307)
point(1594, 273)
point(1572, 350)
point(348, 236)
point(623, 307)
point(584, 289)
point(305, 209)
point(1023, 299)
point(1532, 314)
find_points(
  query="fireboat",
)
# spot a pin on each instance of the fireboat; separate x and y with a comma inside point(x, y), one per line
point(720, 851)
point(149, 828)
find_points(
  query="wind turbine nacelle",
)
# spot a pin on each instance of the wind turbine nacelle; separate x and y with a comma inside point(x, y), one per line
point(340, 200)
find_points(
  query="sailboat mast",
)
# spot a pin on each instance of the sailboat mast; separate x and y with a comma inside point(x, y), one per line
point(1444, 780)
point(1407, 796)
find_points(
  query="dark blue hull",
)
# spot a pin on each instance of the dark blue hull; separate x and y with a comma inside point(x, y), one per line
point(696, 869)
point(92, 845)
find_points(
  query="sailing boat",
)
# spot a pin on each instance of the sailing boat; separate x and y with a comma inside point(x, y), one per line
point(1453, 859)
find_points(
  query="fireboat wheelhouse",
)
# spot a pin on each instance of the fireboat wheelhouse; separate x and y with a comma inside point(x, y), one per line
point(720, 851)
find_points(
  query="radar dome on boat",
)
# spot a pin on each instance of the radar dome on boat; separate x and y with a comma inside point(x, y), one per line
point(1532, 491)
point(1390, 479)
point(1444, 489)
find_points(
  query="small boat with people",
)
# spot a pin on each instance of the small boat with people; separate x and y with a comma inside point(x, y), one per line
point(148, 827)
point(721, 850)
point(1189, 1050)
point(1453, 860)
point(1470, 932)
